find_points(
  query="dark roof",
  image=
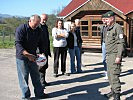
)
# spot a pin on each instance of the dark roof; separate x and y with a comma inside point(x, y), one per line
point(125, 6)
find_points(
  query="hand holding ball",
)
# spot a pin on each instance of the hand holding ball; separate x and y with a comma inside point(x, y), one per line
point(41, 60)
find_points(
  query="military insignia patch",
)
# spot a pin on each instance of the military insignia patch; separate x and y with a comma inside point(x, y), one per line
point(121, 36)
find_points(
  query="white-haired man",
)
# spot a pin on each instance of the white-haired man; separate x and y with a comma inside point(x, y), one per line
point(77, 23)
point(46, 45)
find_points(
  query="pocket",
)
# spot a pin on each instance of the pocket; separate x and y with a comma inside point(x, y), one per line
point(117, 69)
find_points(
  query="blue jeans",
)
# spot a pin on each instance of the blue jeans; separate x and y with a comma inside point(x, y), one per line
point(104, 56)
point(75, 52)
point(24, 68)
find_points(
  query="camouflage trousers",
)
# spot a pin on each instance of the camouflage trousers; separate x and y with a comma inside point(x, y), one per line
point(113, 71)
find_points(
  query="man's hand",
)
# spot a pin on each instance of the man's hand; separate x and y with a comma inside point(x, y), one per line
point(118, 60)
point(31, 57)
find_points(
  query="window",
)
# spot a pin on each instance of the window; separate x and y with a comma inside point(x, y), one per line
point(131, 34)
point(84, 28)
point(121, 23)
point(95, 28)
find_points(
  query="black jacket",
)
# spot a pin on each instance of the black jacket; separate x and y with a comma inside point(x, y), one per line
point(77, 30)
point(70, 40)
point(45, 40)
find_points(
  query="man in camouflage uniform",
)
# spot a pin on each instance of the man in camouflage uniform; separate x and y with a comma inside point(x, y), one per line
point(114, 46)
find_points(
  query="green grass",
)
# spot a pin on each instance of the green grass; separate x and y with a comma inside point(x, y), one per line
point(6, 43)
point(51, 42)
point(10, 44)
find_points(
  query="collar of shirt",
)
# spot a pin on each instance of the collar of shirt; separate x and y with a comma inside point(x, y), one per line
point(110, 27)
point(28, 26)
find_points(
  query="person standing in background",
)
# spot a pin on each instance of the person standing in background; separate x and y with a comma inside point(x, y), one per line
point(60, 47)
point(46, 46)
point(77, 30)
point(73, 43)
point(103, 31)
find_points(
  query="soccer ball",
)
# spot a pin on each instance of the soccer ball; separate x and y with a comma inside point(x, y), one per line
point(41, 60)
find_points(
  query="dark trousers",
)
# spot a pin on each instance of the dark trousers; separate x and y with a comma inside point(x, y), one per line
point(57, 52)
point(113, 71)
point(43, 72)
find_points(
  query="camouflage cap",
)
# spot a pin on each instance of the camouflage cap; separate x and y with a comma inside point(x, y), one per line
point(109, 14)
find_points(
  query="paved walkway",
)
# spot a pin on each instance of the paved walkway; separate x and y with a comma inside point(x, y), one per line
point(89, 85)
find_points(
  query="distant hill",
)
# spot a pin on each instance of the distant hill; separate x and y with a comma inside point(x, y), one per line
point(2, 16)
point(5, 16)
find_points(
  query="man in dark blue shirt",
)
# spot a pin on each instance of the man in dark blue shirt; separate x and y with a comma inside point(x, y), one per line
point(27, 40)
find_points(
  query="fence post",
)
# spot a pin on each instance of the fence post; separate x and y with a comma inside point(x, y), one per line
point(3, 37)
point(10, 36)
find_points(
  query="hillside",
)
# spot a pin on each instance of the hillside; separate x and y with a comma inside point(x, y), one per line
point(5, 16)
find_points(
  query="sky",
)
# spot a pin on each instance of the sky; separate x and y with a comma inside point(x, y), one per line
point(29, 7)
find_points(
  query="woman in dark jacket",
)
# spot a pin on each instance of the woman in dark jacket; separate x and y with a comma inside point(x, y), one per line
point(73, 42)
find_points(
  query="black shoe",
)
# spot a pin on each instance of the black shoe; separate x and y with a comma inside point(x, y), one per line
point(73, 72)
point(26, 98)
point(43, 86)
point(109, 95)
point(55, 75)
point(47, 84)
point(117, 96)
point(67, 74)
point(79, 71)
point(43, 96)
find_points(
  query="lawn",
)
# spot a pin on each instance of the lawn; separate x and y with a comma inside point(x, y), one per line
point(7, 42)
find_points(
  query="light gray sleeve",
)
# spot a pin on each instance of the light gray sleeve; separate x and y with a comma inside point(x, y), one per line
point(54, 33)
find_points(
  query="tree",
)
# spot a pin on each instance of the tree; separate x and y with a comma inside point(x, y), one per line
point(51, 21)
point(58, 10)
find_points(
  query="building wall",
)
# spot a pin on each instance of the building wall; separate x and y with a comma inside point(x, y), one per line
point(90, 32)
point(92, 12)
